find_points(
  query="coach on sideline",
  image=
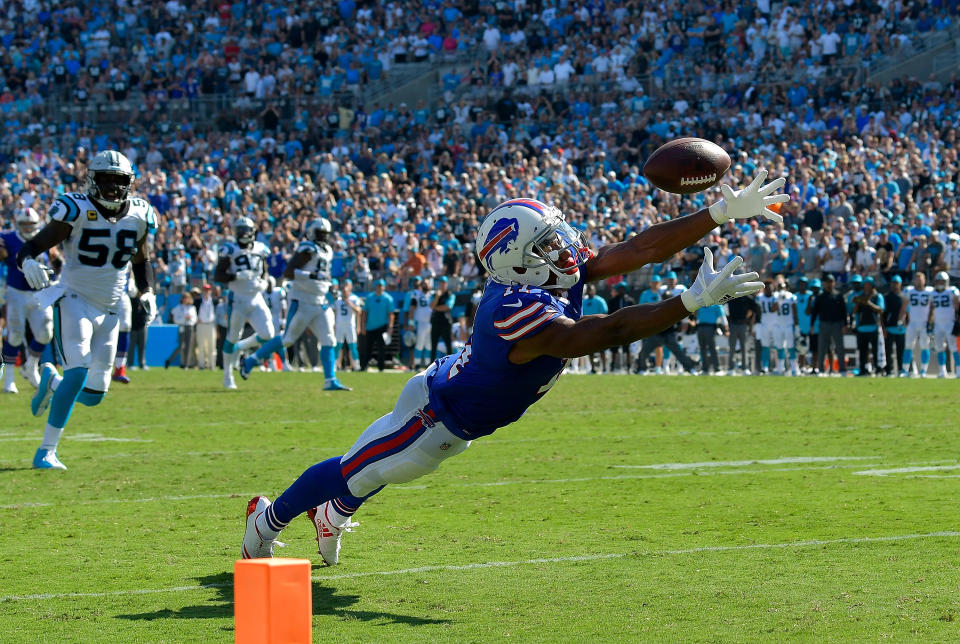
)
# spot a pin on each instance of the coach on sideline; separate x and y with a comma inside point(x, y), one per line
point(830, 307)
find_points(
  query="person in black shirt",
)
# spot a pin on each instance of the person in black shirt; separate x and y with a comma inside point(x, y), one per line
point(830, 307)
point(894, 314)
point(868, 311)
point(620, 300)
point(743, 311)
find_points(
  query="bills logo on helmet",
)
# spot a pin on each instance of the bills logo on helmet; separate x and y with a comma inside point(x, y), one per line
point(501, 235)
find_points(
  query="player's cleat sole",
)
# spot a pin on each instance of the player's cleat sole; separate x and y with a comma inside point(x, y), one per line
point(46, 459)
point(246, 366)
point(336, 385)
point(328, 535)
point(255, 546)
point(41, 399)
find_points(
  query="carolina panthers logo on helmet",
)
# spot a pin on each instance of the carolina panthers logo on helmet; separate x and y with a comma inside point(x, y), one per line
point(501, 235)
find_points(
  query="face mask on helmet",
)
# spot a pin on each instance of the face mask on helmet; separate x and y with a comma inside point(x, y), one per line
point(111, 188)
point(563, 252)
point(28, 225)
point(245, 234)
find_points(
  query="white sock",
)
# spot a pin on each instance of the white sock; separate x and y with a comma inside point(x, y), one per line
point(248, 343)
point(51, 436)
point(265, 531)
point(9, 374)
point(336, 519)
point(32, 360)
point(55, 381)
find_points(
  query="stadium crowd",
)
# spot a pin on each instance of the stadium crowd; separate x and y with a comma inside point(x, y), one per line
point(553, 107)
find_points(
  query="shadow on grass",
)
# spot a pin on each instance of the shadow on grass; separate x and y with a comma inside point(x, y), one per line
point(15, 469)
point(326, 601)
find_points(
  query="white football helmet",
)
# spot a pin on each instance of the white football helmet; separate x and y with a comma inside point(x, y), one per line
point(28, 223)
point(318, 229)
point(109, 179)
point(244, 231)
point(524, 241)
point(940, 281)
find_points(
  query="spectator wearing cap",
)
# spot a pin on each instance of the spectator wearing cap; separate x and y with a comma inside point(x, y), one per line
point(593, 304)
point(441, 320)
point(809, 255)
point(758, 254)
point(884, 255)
point(830, 309)
point(741, 314)
point(621, 299)
point(951, 258)
point(868, 313)
point(377, 324)
point(833, 258)
point(856, 288)
point(894, 318)
point(813, 216)
point(710, 319)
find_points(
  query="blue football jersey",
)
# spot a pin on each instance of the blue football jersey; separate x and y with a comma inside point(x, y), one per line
point(803, 319)
point(478, 390)
point(13, 242)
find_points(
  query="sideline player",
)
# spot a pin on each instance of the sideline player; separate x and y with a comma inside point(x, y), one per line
point(784, 326)
point(420, 316)
point(347, 309)
point(102, 232)
point(944, 303)
point(309, 271)
point(528, 325)
point(23, 309)
point(764, 329)
point(919, 296)
point(243, 266)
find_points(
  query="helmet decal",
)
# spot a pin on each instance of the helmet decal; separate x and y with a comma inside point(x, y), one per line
point(501, 235)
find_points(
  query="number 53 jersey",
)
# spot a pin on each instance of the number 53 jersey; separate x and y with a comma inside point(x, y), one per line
point(97, 252)
point(479, 390)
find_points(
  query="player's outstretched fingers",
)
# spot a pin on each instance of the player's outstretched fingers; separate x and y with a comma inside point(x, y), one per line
point(773, 186)
point(731, 266)
point(758, 181)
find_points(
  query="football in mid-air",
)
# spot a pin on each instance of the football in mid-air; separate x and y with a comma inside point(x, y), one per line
point(685, 166)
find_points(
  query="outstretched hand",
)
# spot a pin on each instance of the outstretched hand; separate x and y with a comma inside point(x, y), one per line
point(753, 200)
point(717, 287)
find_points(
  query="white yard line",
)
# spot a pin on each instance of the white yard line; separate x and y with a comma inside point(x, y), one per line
point(759, 461)
point(83, 438)
point(508, 564)
point(907, 470)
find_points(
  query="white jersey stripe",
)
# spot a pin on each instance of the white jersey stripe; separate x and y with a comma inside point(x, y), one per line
point(519, 333)
point(519, 315)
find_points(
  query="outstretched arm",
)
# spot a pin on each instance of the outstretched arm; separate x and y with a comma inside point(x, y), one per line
point(49, 236)
point(565, 338)
point(660, 241)
point(298, 260)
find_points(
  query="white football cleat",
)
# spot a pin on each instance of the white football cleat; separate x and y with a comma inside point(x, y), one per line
point(46, 459)
point(328, 535)
point(10, 388)
point(255, 546)
point(228, 382)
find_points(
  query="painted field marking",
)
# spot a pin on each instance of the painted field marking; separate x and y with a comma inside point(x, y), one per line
point(907, 470)
point(83, 438)
point(150, 499)
point(507, 564)
point(760, 461)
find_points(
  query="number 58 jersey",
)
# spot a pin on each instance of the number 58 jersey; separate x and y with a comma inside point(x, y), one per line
point(98, 251)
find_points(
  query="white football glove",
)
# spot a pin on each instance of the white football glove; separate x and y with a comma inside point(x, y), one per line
point(713, 287)
point(149, 302)
point(749, 202)
point(38, 275)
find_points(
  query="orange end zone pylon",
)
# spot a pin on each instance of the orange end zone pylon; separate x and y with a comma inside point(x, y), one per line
point(272, 601)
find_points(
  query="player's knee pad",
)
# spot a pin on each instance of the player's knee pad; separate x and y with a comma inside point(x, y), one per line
point(14, 338)
point(90, 397)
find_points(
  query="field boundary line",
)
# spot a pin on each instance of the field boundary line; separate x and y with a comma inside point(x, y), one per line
point(509, 564)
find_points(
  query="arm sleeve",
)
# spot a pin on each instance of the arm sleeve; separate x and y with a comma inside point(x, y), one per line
point(143, 275)
point(65, 210)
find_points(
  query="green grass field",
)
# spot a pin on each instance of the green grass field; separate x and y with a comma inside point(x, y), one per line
point(619, 509)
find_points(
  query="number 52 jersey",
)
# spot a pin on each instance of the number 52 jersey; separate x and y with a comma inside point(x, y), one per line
point(97, 252)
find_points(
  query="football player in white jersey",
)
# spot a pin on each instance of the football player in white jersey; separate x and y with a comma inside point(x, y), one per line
point(123, 339)
point(420, 314)
point(784, 325)
point(918, 297)
point(243, 267)
point(309, 271)
point(765, 328)
point(102, 231)
point(347, 310)
point(23, 310)
point(944, 301)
